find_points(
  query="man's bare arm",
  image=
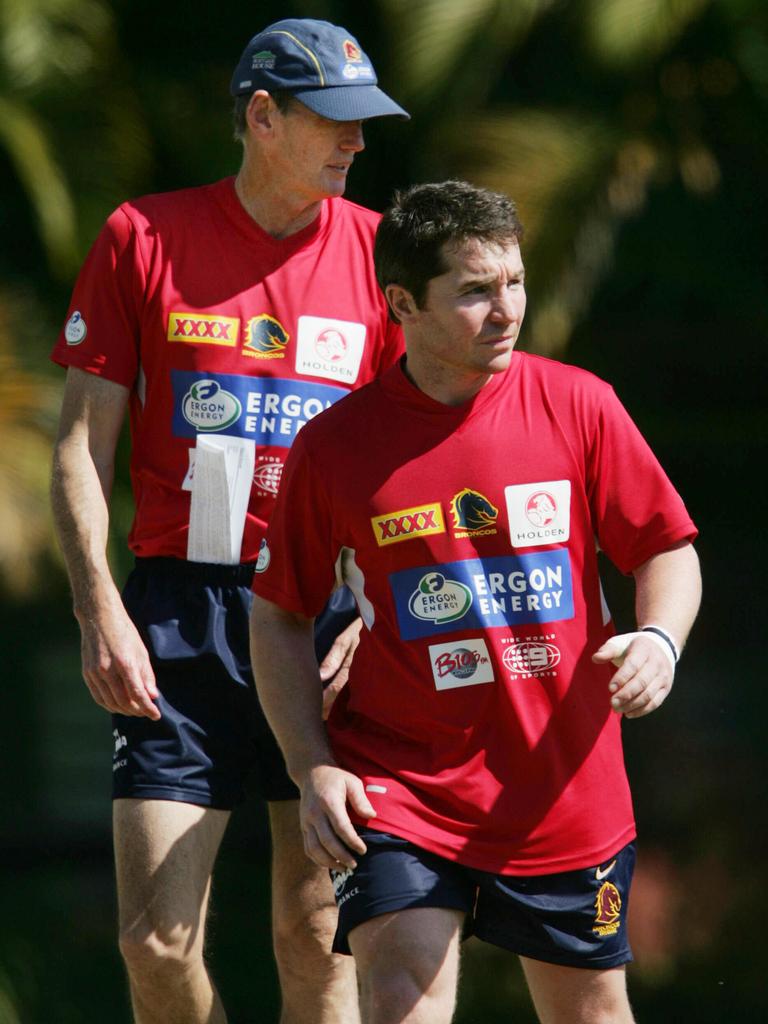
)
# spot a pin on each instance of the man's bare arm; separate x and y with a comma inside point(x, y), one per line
point(116, 665)
point(668, 594)
point(290, 692)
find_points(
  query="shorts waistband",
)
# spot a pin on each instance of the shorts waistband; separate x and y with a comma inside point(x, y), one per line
point(211, 573)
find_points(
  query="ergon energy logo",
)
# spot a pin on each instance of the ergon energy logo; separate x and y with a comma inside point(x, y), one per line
point(422, 520)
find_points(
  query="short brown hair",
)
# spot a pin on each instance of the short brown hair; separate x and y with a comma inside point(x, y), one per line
point(423, 219)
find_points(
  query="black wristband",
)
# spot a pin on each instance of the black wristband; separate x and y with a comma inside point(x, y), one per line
point(664, 636)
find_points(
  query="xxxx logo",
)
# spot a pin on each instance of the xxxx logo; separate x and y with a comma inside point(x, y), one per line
point(203, 329)
point(407, 523)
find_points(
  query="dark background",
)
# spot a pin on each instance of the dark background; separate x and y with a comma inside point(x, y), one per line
point(634, 136)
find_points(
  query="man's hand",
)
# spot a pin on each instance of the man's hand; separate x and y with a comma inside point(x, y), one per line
point(329, 835)
point(335, 666)
point(645, 674)
point(116, 665)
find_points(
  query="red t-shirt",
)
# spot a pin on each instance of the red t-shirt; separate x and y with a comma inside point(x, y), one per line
point(469, 537)
point(219, 328)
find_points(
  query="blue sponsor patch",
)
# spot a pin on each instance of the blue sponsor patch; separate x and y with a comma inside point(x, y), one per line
point(480, 593)
point(269, 410)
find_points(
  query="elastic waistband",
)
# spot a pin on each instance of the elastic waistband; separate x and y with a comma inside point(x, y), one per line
point(211, 573)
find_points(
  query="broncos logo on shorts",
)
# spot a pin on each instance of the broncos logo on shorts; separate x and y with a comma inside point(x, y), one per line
point(472, 511)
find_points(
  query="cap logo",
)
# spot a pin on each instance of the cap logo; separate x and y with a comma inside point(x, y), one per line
point(264, 60)
point(352, 52)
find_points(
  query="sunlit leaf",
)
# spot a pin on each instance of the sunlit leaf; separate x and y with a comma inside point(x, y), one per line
point(621, 31)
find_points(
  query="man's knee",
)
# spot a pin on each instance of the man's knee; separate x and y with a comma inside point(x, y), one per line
point(149, 950)
point(304, 921)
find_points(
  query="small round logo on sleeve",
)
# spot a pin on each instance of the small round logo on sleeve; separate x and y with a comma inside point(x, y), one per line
point(75, 329)
point(262, 562)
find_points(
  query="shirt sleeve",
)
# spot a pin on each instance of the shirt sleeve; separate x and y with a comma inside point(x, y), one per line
point(103, 327)
point(636, 511)
point(296, 565)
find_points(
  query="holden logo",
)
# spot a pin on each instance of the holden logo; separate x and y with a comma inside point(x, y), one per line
point(331, 345)
point(529, 657)
point(541, 508)
point(208, 407)
point(439, 600)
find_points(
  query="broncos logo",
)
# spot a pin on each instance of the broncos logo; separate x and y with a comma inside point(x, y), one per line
point(472, 511)
point(607, 910)
point(266, 338)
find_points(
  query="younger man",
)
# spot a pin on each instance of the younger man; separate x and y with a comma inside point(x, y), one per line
point(472, 771)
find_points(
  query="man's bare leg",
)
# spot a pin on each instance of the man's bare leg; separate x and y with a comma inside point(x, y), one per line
point(408, 965)
point(573, 995)
point(164, 855)
point(318, 987)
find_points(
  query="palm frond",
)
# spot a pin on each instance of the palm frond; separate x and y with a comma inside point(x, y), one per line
point(24, 138)
point(437, 42)
point(28, 405)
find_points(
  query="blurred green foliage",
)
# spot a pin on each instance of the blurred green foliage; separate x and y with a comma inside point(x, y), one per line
point(634, 136)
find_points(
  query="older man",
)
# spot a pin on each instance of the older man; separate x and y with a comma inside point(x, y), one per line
point(222, 318)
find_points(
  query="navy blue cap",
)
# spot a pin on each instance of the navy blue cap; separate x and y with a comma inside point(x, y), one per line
point(320, 64)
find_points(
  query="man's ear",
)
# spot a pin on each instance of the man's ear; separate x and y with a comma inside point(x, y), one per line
point(401, 302)
point(260, 112)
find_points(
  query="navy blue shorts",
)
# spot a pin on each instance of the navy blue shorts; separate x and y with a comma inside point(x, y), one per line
point(575, 918)
point(212, 734)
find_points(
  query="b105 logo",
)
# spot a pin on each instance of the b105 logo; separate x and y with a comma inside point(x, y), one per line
point(460, 663)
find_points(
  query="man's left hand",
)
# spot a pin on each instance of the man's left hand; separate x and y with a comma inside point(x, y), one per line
point(645, 674)
point(334, 669)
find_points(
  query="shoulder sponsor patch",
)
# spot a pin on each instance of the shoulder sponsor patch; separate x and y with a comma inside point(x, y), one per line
point(539, 513)
point(482, 593)
point(407, 523)
point(329, 348)
point(203, 329)
point(460, 663)
point(75, 329)
point(267, 410)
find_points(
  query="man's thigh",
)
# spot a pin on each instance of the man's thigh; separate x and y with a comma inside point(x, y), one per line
point(574, 995)
point(408, 965)
point(393, 875)
point(164, 855)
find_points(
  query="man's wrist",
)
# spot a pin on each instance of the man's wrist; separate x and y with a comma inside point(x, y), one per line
point(655, 630)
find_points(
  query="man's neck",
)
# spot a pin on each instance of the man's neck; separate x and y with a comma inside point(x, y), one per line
point(278, 214)
point(443, 384)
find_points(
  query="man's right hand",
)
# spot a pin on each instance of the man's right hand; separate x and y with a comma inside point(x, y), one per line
point(116, 665)
point(329, 835)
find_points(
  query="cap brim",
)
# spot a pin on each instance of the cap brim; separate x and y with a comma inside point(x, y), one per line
point(350, 102)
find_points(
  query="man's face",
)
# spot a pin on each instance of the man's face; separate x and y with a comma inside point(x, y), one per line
point(472, 313)
point(312, 154)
